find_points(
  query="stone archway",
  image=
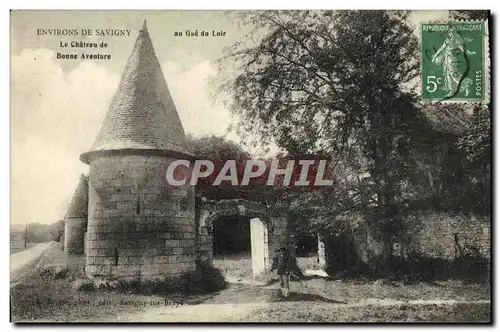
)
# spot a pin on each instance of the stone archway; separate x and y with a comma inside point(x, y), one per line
point(267, 232)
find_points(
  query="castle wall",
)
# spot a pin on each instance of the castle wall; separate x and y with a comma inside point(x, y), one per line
point(61, 240)
point(443, 236)
point(74, 230)
point(428, 235)
point(138, 225)
point(85, 243)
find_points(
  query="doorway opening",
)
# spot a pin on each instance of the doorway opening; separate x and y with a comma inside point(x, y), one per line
point(232, 237)
point(240, 245)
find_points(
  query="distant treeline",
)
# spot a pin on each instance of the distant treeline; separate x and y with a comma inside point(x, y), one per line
point(37, 232)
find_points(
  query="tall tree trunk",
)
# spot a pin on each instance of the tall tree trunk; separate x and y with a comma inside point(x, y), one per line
point(385, 199)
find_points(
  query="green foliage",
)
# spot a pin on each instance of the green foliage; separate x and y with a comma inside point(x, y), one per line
point(55, 272)
point(36, 232)
point(85, 285)
point(342, 84)
point(469, 14)
point(219, 150)
point(216, 148)
point(205, 279)
point(56, 230)
point(296, 86)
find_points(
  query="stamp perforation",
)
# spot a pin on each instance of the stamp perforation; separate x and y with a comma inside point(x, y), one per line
point(485, 62)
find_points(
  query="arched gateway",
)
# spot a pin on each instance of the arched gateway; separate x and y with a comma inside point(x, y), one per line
point(268, 229)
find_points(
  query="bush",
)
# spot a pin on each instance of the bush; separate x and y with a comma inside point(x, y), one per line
point(85, 285)
point(54, 272)
point(204, 279)
point(419, 267)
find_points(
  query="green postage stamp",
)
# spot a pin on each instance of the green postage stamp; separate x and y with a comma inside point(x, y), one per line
point(454, 61)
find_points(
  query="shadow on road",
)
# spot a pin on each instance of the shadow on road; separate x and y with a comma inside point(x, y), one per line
point(298, 297)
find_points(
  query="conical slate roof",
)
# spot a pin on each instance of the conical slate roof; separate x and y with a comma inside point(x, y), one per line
point(79, 203)
point(142, 114)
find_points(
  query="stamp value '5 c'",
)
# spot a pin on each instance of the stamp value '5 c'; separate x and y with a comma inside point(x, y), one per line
point(453, 61)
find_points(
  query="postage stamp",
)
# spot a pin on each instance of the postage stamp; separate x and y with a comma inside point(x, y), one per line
point(453, 61)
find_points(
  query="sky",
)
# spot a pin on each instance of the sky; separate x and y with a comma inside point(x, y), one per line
point(57, 106)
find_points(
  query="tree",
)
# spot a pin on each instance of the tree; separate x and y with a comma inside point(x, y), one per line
point(336, 82)
point(219, 150)
point(475, 144)
point(37, 233)
point(470, 14)
point(56, 230)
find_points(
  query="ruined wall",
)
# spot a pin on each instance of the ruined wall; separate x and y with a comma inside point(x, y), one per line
point(204, 239)
point(138, 225)
point(434, 235)
point(74, 231)
point(443, 236)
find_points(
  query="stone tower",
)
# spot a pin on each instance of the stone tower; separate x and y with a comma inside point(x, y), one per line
point(76, 219)
point(138, 225)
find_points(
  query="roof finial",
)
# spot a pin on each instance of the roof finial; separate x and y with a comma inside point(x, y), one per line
point(144, 26)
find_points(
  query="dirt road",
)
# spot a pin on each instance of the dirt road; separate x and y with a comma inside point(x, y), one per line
point(22, 261)
point(238, 302)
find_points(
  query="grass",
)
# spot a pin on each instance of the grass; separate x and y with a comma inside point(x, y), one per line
point(237, 265)
point(360, 290)
point(308, 263)
point(319, 312)
point(49, 294)
point(240, 265)
point(57, 300)
point(355, 290)
point(53, 292)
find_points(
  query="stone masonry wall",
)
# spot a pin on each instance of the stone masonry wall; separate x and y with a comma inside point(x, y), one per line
point(85, 236)
point(429, 234)
point(74, 230)
point(204, 245)
point(438, 234)
point(278, 237)
point(138, 225)
point(432, 235)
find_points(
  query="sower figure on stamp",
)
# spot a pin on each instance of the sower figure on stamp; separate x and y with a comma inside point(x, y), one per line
point(446, 56)
point(286, 266)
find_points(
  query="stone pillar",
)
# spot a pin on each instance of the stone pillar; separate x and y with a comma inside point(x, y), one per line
point(260, 250)
point(321, 253)
point(278, 236)
point(204, 239)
